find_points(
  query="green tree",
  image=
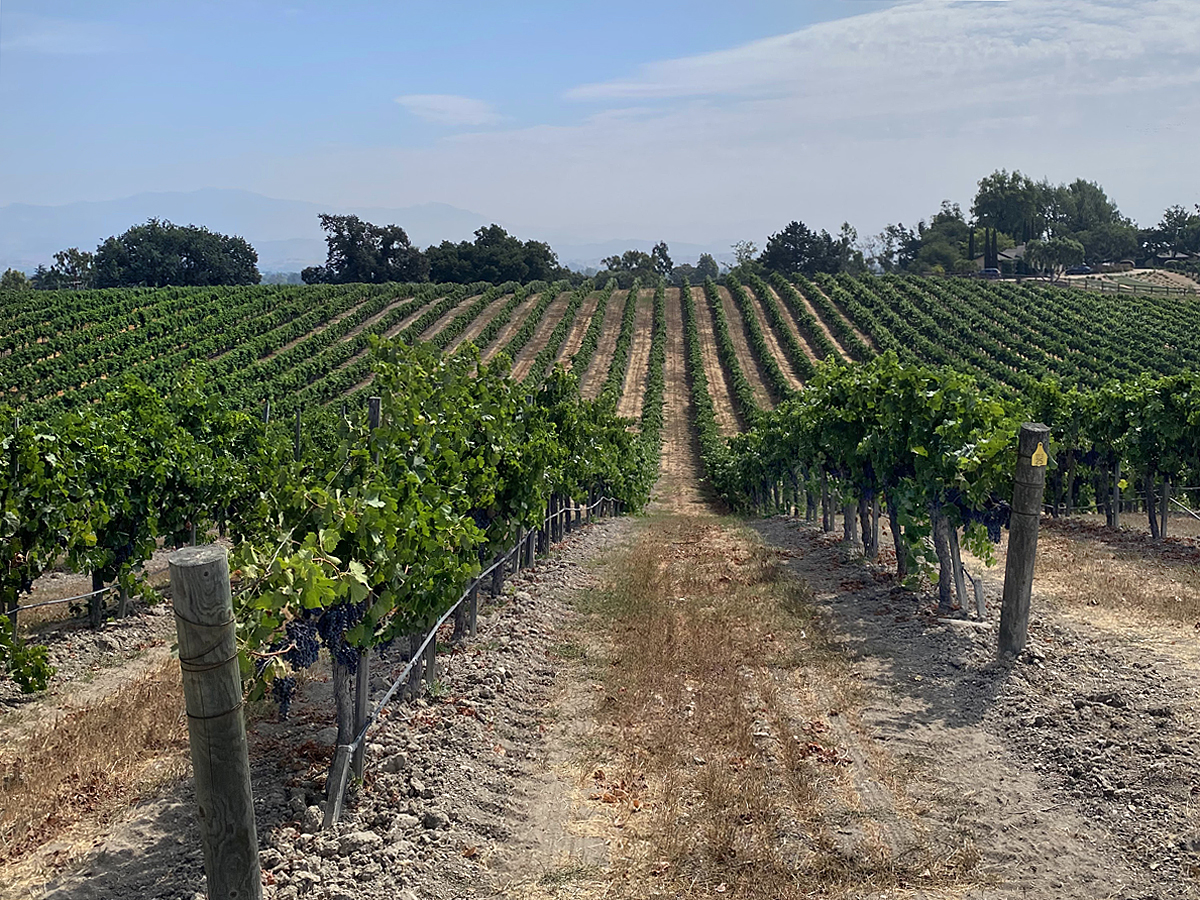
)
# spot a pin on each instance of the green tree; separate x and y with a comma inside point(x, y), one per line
point(362, 253)
point(707, 267)
point(1009, 203)
point(1053, 256)
point(14, 280)
point(73, 268)
point(159, 253)
point(629, 266)
point(494, 256)
point(661, 257)
point(798, 250)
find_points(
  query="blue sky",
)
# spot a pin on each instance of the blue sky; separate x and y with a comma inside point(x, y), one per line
point(698, 120)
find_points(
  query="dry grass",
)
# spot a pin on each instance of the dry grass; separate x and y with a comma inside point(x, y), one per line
point(724, 778)
point(72, 775)
point(1092, 573)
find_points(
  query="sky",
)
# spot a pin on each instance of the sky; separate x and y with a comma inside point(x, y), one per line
point(693, 121)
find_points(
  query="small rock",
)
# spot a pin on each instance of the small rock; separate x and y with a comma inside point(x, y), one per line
point(420, 789)
point(311, 823)
point(434, 819)
point(359, 841)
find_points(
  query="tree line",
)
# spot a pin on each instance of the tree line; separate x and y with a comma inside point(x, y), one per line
point(1013, 223)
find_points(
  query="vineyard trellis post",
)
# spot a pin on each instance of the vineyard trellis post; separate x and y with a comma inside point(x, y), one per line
point(1029, 487)
point(362, 673)
point(1116, 495)
point(212, 688)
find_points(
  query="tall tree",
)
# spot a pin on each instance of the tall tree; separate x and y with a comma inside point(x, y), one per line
point(159, 253)
point(798, 250)
point(495, 256)
point(1008, 202)
point(360, 252)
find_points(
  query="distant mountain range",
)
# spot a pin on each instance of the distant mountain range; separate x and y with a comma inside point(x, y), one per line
point(285, 233)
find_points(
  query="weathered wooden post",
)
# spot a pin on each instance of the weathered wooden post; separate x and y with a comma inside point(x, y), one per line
point(473, 610)
point(1029, 486)
point(498, 576)
point(362, 673)
point(212, 689)
point(1116, 495)
point(267, 412)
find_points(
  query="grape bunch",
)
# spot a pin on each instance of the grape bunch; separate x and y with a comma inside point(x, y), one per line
point(283, 689)
point(332, 627)
point(303, 645)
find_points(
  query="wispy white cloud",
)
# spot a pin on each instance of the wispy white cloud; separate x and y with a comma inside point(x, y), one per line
point(58, 37)
point(935, 53)
point(449, 109)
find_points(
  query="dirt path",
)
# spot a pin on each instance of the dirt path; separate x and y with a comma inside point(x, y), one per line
point(481, 322)
point(630, 405)
point(808, 304)
point(447, 317)
point(537, 343)
point(773, 342)
point(861, 335)
point(575, 337)
point(680, 486)
point(371, 320)
point(745, 355)
point(727, 418)
point(790, 321)
point(592, 381)
point(518, 316)
point(1071, 771)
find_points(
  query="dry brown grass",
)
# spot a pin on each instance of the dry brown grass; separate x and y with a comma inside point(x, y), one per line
point(64, 780)
point(1091, 573)
point(724, 779)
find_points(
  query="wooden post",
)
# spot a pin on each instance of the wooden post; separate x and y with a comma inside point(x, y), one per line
point(1028, 488)
point(431, 662)
point(267, 412)
point(413, 688)
point(362, 708)
point(461, 626)
point(212, 689)
point(826, 504)
point(498, 577)
point(520, 549)
point(530, 548)
point(96, 601)
point(960, 584)
point(1165, 506)
point(1116, 495)
point(473, 610)
point(299, 435)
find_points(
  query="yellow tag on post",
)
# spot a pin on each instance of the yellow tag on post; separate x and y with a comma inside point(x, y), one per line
point(1039, 457)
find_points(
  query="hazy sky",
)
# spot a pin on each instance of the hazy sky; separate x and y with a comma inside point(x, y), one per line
point(691, 121)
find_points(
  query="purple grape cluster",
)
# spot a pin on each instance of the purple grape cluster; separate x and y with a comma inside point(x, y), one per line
point(283, 689)
point(332, 627)
point(303, 645)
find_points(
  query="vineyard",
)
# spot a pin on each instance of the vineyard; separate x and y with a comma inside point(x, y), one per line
point(367, 451)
